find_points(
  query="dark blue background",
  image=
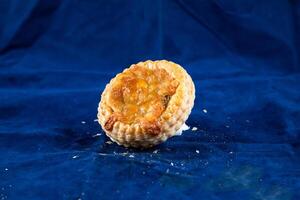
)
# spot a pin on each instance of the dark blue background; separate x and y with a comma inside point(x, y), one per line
point(56, 57)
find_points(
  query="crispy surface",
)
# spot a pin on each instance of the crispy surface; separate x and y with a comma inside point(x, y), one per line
point(140, 95)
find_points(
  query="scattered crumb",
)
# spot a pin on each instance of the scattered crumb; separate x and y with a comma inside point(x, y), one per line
point(204, 110)
point(108, 142)
point(96, 135)
point(194, 128)
point(230, 152)
point(248, 121)
point(184, 127)
point(168, 170)
point(125, 153)
point(172, 164)
point(143, 172)
point(83, 122)
point(227, 126)
point(76, 156)
point(131, 156)
point(155, 151)
point(95, 120)
point(6, 169)
point(197, 151)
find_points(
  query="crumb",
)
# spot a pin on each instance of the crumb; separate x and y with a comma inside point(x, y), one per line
point(167, 171)
point(227, 126)
point(76, 156)
point(155, 151)
point(6, 169)
point(194, 128)
point(248, 121)
point(131, 156)
point(143, 173)
point(230, 152)
point(83, 122)
point(184, 127)
point(172, 164)
point(204, 110)
point(95, 120)
point(197, 151)
point(108, 142)
point(96, 135)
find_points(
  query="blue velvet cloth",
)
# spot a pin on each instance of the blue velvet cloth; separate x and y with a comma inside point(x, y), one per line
point(56, 57)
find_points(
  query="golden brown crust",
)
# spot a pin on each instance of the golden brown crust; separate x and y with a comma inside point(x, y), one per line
point(140, 94)
point(109, 124)
point(146, 104)
point(152, 128)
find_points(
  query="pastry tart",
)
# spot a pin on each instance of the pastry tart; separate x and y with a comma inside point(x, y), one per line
point(146, 104)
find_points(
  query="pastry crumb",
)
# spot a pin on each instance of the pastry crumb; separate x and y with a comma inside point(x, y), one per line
point(108, 142)
point(155, 151)
point(197, 151)
point(83, 122)
point(96, 135)
point(131, 156)
point(95, 120)
point(184, 127)
point(76, 156)
point(204, 110)
point(194, 128)
point(172, 164)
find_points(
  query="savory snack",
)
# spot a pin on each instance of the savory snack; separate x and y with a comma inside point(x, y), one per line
point(146, 103)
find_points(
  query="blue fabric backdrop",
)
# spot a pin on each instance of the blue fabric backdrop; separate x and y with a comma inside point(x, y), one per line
point(57, 55)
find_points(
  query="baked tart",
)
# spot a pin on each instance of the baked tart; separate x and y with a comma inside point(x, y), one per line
point(146, 104)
